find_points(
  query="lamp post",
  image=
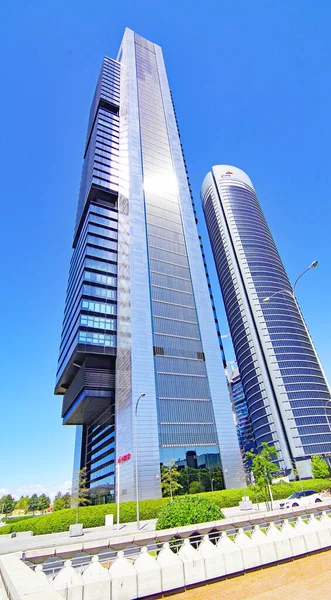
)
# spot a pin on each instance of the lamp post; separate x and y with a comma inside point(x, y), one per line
point(311, 266)
point(136, 440)
point(292, 294)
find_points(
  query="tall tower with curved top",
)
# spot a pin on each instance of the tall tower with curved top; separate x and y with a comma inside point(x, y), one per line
point(284, 383)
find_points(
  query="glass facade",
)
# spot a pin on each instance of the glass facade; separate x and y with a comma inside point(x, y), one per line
point(286, 390)
point(242, 417)
point(138, 317)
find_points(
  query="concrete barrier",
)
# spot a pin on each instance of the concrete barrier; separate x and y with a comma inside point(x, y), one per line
point(322, 530)
point(148, 574)
point(22, 583)
point(309, 534)
point(96, 581)
point(266, 546)
point(194, 564)
point(172, 569)
point(233, 558)
point(298, 544)
point(250, 550)
point(68, 583)
point(281, 542)
point(123, 577)
point(214, 559)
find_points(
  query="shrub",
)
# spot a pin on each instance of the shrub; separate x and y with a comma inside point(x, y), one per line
point(319, 467)
point(10, 520)
point(196, 487)
point(6, 529)
point(188, 510)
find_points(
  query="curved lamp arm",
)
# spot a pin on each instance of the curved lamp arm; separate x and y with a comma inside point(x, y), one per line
point(141, 396)
point(278, 292)
point(312, 266)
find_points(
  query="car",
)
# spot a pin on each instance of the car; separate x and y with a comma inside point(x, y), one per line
point(300, 499)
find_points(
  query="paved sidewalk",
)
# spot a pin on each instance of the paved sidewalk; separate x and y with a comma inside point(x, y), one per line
point(307, 578)
point(51, 540)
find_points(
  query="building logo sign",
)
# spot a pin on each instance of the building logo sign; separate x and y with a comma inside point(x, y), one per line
point(124, 458)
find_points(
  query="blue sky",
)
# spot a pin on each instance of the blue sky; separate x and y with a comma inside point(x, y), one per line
point(251, 84)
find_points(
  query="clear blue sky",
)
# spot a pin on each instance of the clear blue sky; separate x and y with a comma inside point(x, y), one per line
point(251, 83)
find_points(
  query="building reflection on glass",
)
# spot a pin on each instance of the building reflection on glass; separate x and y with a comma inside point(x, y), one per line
point(201, 465)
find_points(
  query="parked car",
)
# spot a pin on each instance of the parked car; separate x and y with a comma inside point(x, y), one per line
point(301, 498)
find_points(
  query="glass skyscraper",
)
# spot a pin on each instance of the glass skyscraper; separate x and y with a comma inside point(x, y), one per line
point(286, 390)
point(138, 317)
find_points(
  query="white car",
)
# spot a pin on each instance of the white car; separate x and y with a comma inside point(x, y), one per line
point(301, 499)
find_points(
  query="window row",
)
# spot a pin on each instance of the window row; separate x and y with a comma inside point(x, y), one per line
point(101, 266)
point(91, 290)
point(98, 322)
point(97, 339)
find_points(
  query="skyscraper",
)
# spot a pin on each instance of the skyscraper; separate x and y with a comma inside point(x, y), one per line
point(138, 318)
point(286, 391)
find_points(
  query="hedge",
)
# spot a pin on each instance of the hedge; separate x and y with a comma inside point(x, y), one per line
point(188, 510)
point(94, 516)
point(9, 520)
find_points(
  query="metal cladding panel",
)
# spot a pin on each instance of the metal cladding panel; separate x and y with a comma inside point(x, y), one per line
point(218, 392)
point(296, 404)
point(135, 363)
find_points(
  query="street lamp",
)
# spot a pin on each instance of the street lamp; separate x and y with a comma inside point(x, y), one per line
point(292, 294)
point(136, 438)
point(212, 485)
point(311, 266)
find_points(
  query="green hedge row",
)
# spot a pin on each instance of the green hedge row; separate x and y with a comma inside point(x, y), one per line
point(10, 520)
point(94, 516)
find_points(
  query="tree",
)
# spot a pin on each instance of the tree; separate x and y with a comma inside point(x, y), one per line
point(43, 502)
point(170, 480)
point(61, 502)
point(22, 504)
point(58, 503)
point(196, 487)
point(7, 504)
point(216, 476)
point(67, 500)
point(80, 491)
point(186, 476)
point(33, 503)
point(319, 468)
point(263, 468)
